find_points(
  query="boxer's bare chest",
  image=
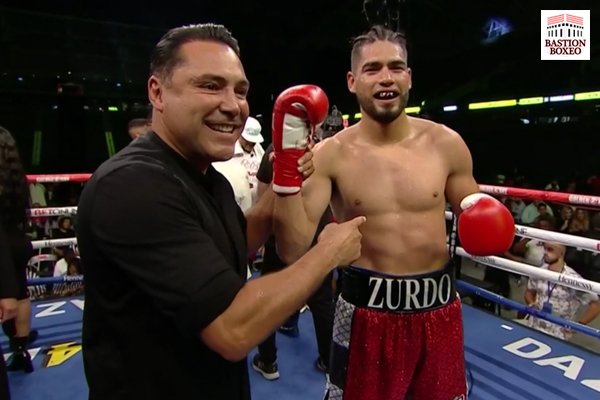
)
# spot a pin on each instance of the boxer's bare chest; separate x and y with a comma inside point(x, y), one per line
point(397, 179)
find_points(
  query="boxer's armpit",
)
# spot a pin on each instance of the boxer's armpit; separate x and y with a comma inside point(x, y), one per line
point(144, 224)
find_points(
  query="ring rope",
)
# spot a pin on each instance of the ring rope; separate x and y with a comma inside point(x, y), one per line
point(529, 310)
point(581, 243)
point(527, 194)
point(554, 197)
point(581, 284)
point(42, 257)
point(51, 211)
point(57, 279)
point(58, 178)
point(44, 244)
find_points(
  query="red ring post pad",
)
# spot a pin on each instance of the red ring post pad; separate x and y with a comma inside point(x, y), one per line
point(531, 311)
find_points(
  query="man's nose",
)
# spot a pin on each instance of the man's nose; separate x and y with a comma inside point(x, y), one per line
point(230, 104)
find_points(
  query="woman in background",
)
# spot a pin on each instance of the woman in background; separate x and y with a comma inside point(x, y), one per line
point(564, 221)
point(580, 224)
point(14, 201)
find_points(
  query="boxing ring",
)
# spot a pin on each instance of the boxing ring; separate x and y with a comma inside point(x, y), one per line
point(505, 359)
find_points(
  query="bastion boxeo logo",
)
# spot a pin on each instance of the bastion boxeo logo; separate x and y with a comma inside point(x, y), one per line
point(565, 35)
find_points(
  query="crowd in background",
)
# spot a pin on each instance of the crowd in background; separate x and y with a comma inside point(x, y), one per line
point(59, 261)
point(241, 172)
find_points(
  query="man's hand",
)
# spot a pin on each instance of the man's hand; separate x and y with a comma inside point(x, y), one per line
point(8, 309)
point(344, 239)
point(305, 165)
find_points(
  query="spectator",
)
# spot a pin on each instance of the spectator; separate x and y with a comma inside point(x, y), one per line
point(580, 224)
point(542, 210)
point(531, 251)
point(571, 187)
point(553, 186)
point(595, 226)
point(531, 212)
point(37, 192)
point(64, 231)
point(137, 127)
point(566, 215)
point(249, 153)
point(69, 265)
point(558, 300)
point(237, 176)
point(517, 206)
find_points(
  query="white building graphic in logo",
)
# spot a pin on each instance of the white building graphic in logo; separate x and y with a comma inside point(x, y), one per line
point(565, 35)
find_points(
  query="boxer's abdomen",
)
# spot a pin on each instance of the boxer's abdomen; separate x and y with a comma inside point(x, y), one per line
point(405, 243)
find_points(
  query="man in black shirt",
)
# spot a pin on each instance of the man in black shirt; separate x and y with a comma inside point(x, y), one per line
point(169, 313)
point(321, 302)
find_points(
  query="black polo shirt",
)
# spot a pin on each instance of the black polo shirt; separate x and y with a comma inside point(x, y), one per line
point(164, 252)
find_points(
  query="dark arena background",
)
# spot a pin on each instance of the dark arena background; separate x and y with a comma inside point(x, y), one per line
point(74, 74)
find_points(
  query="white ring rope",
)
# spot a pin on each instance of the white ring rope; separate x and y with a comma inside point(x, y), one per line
point(44, 244)
point(581, 243)
point(42, 257)
point(536, 272)
point(51, 211)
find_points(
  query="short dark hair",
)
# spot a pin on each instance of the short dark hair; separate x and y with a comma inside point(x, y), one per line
point(545, 218)
point(165, 56)
point(377, 33)
point(137, 123)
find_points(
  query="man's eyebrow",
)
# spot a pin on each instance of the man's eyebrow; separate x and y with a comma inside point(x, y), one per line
point(379, 64)
point(217, 78)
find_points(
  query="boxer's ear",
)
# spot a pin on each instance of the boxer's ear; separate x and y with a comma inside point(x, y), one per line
point(351, 82)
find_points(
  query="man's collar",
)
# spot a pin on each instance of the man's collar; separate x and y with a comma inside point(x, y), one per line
point(193, 172)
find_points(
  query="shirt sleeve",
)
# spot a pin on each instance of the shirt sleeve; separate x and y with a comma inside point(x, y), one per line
point(265, 170)
point(531, 284)
point(144, 222)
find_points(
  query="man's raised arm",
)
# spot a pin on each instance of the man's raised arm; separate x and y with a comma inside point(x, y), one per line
point(296, 113)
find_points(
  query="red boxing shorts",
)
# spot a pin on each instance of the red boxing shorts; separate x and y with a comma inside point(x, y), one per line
point(397, 338)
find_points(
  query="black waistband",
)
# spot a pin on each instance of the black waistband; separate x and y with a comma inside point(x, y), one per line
point(398, 294)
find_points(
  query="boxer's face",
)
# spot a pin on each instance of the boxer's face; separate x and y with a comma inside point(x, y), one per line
point(203, 108)
point(381, 81)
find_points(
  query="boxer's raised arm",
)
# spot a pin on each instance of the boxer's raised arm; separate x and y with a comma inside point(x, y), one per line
point(296, 217)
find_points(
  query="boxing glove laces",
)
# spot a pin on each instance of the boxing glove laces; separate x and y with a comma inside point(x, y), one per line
point(297, 112)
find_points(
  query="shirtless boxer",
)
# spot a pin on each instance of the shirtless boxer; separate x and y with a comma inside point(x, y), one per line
point(398, 327)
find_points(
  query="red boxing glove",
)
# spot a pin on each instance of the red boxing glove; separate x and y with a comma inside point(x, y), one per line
point(485, 227)
point(297, 111)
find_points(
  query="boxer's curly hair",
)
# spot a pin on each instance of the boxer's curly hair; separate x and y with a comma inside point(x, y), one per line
point(166, 57)
point(14, 189)
point(377, 33)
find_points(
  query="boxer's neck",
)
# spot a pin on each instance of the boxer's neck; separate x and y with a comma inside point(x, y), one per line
point(394, 132)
